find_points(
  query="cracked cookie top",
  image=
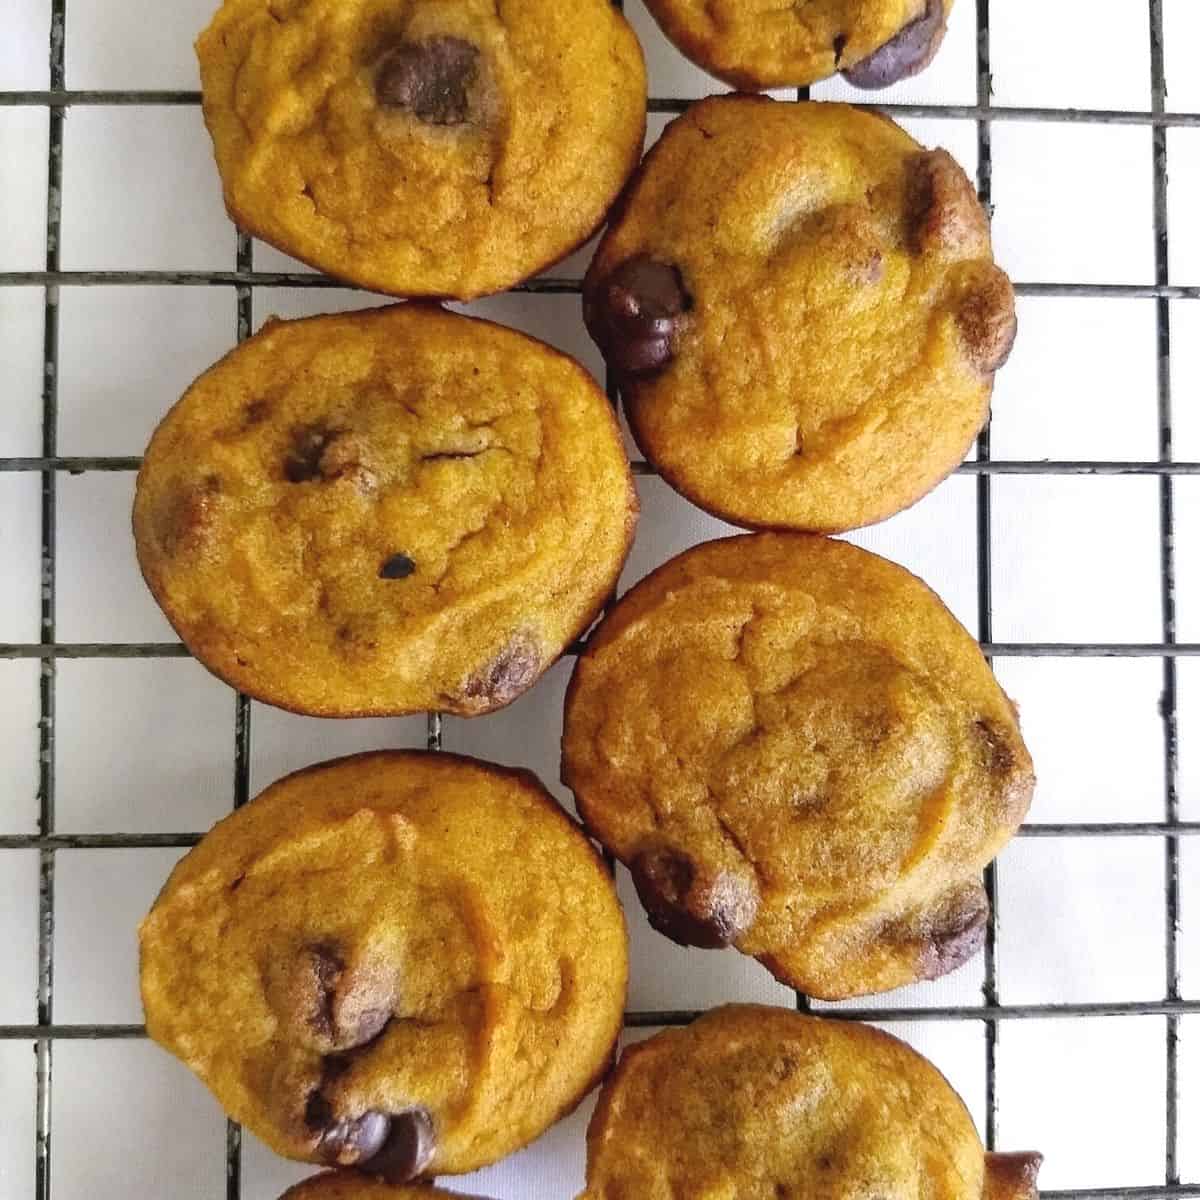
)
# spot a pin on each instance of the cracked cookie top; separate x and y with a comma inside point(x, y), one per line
point(798, 751)
point(385, 512)
point(764, 1104)
point(766, 43)
point(411, 963)
point(423, 147)
point(803, 310)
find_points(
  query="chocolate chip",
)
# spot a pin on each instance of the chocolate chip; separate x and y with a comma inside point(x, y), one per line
point(997, 754)
point(839, 45)
point(688, 909)
point(987, 319)
point(1012, 1176)
point(370, 1024)
point(910, 51)
point(956, 934)
point(320, 453)
point(635, 313)
point(507, 675)
point(350, 1142)
point(303, 461)
point(432, 79)
point(399, 566)
point(256, 412)
point(187, 518)
point(327, 969)
point(408, 1150)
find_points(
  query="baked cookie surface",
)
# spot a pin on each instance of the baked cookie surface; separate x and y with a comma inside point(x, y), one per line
point(805, 311)
point(764, 44)
point(385, 512)
point(760, 1103)
point(412, 963)
point(427, 147)
point(797, 750)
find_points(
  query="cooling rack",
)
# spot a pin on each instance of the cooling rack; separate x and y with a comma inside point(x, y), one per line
point(244, 285)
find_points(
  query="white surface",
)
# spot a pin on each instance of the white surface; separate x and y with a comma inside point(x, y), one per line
point(1089, 1095)
point(24, 137)
point(147, 746)
point(1062, 55)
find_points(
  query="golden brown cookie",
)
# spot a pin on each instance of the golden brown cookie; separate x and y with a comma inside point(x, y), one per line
point(764, 44)
point(412, 963)
point(353, 1185)
point(385, 512)
point(803, 304)
point(427, 147)
point(798, 751)
point(761, 1104)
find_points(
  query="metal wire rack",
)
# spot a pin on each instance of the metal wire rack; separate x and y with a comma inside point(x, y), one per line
point(244, 281)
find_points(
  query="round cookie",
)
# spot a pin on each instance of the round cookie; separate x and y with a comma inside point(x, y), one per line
point(763, 44)
point(761, 1103)
point(797, 750)
point(411, 963)
point(804, 308)
point(429, 148)
point(353, 1185)
point(385, 512)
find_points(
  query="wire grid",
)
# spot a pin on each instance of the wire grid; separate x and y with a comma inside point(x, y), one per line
point(243, 282)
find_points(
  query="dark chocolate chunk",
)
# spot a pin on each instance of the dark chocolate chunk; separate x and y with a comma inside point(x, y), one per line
point(507, 675)
point(688, 910)
point(988, 321)
point(399, 566)
point(994, 748)
point(303, 461)
point(909, 52)
point(432, 79)
point(1012, 1176)
point(635, 313)
point(350, 1142)
point(408, 1150)
point(327, 970)
point(955, 934)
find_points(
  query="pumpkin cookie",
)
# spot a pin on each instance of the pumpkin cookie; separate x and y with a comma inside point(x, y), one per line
point(411, 963)
point(762, 1103)
point(804, 309)
point(798, 751)
point(385, 512)
point(424, 148)
point(352, 1185)
point(764, 44)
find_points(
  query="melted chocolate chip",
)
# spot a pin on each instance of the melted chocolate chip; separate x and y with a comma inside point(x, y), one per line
point(988, 321)
point(370, 1024)
point(909, 52)
point(635, 313)
point(431, 79)
point(327, 969)
point(354, 1141)
point(187, 518)
point(507, 675)
point(399, 566)
point(256, 412)
point(957, 935)
point(687, 910)
point(1012, 1176)
point(303, 461)
point(408, 1150)
point(997, 754)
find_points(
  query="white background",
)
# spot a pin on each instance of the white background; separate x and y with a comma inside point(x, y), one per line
point(147, 746)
